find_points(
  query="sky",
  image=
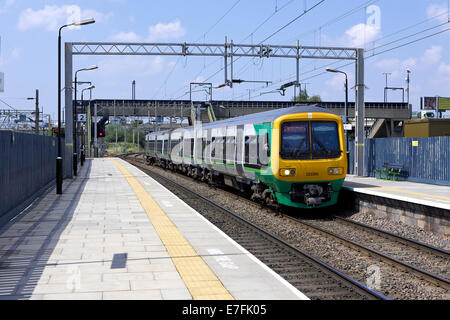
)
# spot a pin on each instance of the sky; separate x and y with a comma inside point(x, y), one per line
point(397, 35)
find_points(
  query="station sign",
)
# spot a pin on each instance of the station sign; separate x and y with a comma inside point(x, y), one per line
point(82, 117)
point(348, 127)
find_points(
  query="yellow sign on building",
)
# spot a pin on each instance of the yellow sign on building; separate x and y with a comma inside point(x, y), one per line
point(444, 103)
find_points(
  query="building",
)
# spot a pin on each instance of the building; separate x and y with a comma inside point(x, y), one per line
point(426, 128)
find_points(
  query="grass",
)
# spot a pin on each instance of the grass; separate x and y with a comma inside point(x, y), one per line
point(111, 149)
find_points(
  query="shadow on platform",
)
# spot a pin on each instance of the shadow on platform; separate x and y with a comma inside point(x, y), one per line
point(28, 241)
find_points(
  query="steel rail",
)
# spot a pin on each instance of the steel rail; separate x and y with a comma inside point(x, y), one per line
point(350, 281)
point(404, 240)
point(420, 273)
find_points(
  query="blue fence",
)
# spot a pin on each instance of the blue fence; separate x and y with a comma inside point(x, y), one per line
point(426, 160)
point(27, 163)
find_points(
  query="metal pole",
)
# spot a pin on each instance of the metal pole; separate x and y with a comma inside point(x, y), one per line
point(95, 132)
point(346, 110)
point(82, 154)
point(36, 120)
point(408, 81)
point(156, 116)
point(69, 108)
point(89, 128)
point(298, 73)
point(115, 124)
point(226, 61)
point(75, 157)
point(359, 112)
point(59, 159)
point(231, 66)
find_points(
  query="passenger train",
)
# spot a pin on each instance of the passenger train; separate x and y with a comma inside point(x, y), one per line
point(292, 157)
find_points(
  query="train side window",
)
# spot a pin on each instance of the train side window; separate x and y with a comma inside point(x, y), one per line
point(253, 150)
point(213, 149)
point(247, 149)
point(203, 148)
point(224, 150)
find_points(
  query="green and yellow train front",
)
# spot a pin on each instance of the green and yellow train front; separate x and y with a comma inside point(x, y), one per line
point(308, 161)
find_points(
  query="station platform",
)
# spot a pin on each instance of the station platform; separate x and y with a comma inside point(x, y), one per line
point(117, 234)
point(419, 193)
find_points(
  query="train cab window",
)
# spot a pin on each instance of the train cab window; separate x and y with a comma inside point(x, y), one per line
point(310, 140)
point(295, 141)
point(325, 140)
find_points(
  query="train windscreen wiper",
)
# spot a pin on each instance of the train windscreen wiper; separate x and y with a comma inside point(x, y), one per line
point(293, 154)
point(328, 153)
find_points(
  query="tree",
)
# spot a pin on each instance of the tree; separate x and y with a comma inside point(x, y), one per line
point(303, 97)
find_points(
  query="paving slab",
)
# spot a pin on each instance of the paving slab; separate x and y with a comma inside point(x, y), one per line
point(99, 240)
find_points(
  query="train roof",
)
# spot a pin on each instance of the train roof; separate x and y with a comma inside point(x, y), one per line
point(261, 117)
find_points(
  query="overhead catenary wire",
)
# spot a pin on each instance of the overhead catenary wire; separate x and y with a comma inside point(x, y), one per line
point(382, 45)
point(293, 20)
point(368, 57)
point(280, 29)
point(202, 36)
point(248, 36)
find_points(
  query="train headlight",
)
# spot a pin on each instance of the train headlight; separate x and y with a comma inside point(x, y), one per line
point(287, 172)
point(335, 171)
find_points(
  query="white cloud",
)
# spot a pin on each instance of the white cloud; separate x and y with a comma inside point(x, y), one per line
point(6, 5)
point(438, 12)
point(52, 17)
point(337, 82)
point(360, 34)
point(126, 37)
point(15, 54)
point(432, 55)
point(142, 65)
point(444, 69)
point(160, 31)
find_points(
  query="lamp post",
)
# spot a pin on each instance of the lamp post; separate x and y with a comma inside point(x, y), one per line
point(346, 103)
point(59, 160)
point(408, 80)
point(75, 122)
point(36, 119)
point(83, 154)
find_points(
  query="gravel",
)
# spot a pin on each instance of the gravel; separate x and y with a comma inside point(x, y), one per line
point(394, 283)
point(397, 227)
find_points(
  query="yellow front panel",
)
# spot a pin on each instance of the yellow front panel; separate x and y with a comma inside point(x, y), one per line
point(307, 170)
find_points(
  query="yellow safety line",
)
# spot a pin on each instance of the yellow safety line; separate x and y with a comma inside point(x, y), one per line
point(403, 191)
point(200, 280)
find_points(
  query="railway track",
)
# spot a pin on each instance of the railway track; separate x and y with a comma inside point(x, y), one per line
point(311, 276)
point(425, 262)
point(427, 265)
